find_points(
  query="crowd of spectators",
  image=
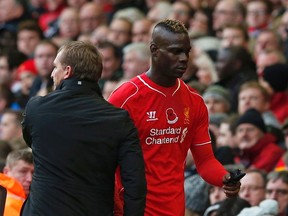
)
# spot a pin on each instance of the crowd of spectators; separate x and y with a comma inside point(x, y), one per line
point(238, 63)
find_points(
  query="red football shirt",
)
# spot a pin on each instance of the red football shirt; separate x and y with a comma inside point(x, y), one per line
point(170, 121)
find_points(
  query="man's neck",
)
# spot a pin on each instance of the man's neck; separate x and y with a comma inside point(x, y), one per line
point(160, 80)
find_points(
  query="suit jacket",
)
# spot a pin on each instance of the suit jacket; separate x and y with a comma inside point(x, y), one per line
point(78, 139)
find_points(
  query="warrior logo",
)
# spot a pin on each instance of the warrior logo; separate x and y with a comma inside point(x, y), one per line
point(152, 116)
point(171, 116)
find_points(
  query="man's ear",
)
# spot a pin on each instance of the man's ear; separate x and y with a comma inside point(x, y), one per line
point(5, 170)
point(153, 49)
point(68, 72)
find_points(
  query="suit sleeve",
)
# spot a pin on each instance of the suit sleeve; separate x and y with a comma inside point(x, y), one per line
point(25, 129)
point(132, 171)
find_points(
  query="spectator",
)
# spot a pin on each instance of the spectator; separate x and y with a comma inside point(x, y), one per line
point(234, 35)
point(269, 57)
point(99, 35)
point(215, 121)
point(26, 73)
point(253, 186)
point(68, 26)
point(254, 95)
point(130, 13)
point(217, 99)
point(208, 44)
point(29, 34)
point(257, 148)
point(9, 61)
point(16, 178)
point(206, 71)
point(141, 30)
point(91, 17)
point(275, 79)
point(45, 53)
point(258, 16)
point(11, 130)
point(277, 189)
point(227, 146)
point(112, 58)
point(120, 32)
point(226, 135)
point(266, 40)
point(182, 11)
point(227, 12)
point(201, 24)
point(159, 11)
point(136, 60)
point(47, 20)
point(11, 13)
point(235, 66)
point(216, 195)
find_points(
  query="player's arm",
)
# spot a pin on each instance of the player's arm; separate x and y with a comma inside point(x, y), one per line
point(213, 172)
point(209, 168)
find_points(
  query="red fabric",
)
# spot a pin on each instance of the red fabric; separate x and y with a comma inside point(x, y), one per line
point(108, 8)
point(280, 165)
point(253, 29)
point(264, 155)
point(118, 201)
point(27, 66)
point(208, 167)
point(46, 18)
point(167, 120)
point(279, 105)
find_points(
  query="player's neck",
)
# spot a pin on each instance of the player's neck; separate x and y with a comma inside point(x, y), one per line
point(159, 79)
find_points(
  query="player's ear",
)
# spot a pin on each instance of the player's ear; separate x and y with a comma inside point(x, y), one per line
point(153, 48)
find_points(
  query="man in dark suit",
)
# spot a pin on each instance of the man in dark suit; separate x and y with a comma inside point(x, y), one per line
point(78, 139)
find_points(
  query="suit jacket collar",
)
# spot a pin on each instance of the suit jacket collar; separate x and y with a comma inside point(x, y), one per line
point(74, 83)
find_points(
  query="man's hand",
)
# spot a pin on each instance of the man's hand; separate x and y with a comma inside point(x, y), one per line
point(231, 183)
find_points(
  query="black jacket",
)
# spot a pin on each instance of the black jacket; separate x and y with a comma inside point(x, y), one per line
point(78, 139)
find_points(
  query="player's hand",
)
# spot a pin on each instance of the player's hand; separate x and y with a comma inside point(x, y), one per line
point(231, 188)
